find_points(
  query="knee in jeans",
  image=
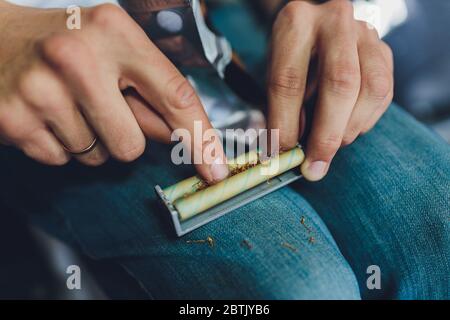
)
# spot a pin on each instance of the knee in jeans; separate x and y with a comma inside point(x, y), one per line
point(426, 252)
point(306, 280)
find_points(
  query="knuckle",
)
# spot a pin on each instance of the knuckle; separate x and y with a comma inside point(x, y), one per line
point(29, 82)
point(367, 29)
point(389, 100)
point(94, 160)
point(36, 87)
point(329, 144)
point(367, 128)
point(106, 15)
point(342, 8)
point(287, 83)
point(58, 159)
point(42, 91)
point(353, 131)
point(35, 144)
point(343, 79)
point(287, 143)
point(181, 94)
point(129, 152)
point(12, 130)
point(350, 136)
point(387, 50)
point(62, 49)
point(379, 113)
point(51, 157)
point(51, 109)
point(294, 12)
point(379, 85)
point(346, 141)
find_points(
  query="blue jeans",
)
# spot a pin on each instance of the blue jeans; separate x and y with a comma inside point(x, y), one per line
point(385, 202)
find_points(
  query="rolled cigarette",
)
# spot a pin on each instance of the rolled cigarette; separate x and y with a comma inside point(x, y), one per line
point(251, 157)
point(197, 202)
point(193, 184)
point(182, 188)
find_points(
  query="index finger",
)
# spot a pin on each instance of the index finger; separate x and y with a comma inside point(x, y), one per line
point(160, 83)
point(289, 63)
point(339, 86)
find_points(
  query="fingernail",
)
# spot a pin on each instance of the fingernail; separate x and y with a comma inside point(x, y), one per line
point(314, 171)
point(219, 170)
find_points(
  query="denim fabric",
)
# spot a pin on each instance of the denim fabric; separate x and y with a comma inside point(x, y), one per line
point(386, 202)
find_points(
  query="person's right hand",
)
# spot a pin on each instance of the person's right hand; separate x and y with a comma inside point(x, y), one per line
point(60, 89)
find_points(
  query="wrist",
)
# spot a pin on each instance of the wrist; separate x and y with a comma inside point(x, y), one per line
point(29, 19)
point(19, 26)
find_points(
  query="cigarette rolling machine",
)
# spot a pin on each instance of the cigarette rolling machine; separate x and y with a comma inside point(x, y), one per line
point(192, 203)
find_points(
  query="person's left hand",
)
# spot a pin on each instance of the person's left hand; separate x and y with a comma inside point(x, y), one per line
point(323, 48)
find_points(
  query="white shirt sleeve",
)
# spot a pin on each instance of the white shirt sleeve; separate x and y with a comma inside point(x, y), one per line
point(59, 3)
